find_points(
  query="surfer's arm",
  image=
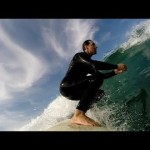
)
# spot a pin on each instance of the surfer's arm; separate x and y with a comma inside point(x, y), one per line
point(112, 73)
point(104, 66)
point(97, 65)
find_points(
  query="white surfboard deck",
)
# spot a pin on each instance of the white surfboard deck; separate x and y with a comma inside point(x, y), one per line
point(67, 126)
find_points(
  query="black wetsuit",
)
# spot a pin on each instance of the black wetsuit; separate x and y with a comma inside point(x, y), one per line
point(83, 79)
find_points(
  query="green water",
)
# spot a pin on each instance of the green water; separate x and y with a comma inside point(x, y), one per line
point(128, 94)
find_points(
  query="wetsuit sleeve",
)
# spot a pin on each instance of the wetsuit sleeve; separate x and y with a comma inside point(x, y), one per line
point(109, 75)
point(104, 66)
point(97, 65)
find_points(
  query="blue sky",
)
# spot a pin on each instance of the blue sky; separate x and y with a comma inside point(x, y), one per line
point(34, 56)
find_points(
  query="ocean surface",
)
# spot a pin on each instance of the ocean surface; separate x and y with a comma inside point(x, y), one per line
point(126, 106)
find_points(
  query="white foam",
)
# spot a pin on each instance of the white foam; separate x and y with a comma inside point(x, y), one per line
point(138, 34)
point(60, 109)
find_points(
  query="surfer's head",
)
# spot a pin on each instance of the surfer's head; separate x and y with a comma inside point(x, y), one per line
point(89, 47)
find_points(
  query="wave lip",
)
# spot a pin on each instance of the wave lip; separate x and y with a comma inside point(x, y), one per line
point(138, 34)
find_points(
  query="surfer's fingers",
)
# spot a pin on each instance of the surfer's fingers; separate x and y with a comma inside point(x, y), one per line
point(117, 71)
point(122, 67)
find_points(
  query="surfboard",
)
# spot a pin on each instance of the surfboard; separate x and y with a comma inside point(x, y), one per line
point(67, 126)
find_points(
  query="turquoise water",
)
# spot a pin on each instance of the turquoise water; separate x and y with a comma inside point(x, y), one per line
point(128, 94)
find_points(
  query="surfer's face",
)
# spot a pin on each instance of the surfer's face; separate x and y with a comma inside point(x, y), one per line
point(91, 48)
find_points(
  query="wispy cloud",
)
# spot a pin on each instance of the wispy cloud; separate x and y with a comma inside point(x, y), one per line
point(67, 40)
point(19, 68)
point(105, 37)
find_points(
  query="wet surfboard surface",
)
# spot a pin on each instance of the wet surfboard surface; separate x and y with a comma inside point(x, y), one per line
point(68, 126)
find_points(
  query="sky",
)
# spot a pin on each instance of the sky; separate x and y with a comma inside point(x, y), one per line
point(34, 57)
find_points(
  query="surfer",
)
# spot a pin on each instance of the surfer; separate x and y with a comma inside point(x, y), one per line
point(83, 80)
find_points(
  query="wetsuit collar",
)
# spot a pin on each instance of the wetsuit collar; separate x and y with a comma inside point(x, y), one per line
point(89, 56)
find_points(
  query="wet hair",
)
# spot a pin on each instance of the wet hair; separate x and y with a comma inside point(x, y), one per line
point(87, 42)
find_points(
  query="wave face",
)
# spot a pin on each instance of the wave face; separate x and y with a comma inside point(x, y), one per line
point(126, 106)
point(128, 94)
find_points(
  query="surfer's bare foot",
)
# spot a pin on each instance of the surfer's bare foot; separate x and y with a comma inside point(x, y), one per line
point(79, 117)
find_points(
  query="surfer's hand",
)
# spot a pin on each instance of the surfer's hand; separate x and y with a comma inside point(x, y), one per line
point(122, 67)
point(117, 71)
